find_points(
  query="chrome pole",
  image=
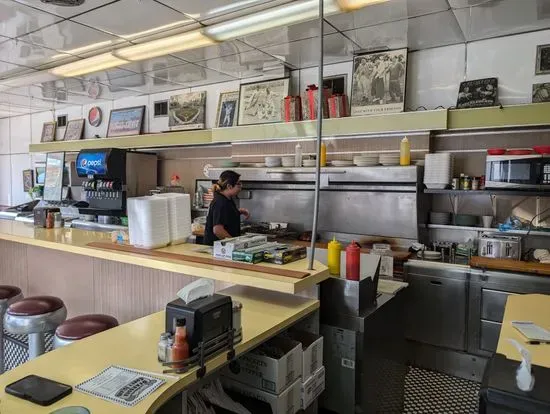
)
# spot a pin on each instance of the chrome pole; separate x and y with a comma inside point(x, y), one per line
point(319, 137)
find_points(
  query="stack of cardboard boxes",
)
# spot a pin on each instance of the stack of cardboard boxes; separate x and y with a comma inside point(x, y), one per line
point(286, 372)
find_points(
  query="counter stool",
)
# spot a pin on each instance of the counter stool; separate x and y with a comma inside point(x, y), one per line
point(81, 327)
point(8, 295)
point(34, 316)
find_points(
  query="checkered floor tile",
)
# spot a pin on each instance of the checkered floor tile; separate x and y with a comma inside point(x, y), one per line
point(429, 392)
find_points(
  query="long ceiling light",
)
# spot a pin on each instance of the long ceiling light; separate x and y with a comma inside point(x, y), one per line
point(284, 15)
point(165, 46)
point(88, 65)
point(350, 5)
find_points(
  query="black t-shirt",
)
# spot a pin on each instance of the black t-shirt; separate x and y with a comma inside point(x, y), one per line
point(222, 211)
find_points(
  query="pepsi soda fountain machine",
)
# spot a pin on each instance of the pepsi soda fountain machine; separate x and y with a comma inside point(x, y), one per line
point(113, 175)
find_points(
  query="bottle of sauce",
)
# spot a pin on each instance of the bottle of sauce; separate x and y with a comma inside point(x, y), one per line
point(298, 156)
point(333, 259)
point(405, 152)
point(323, 154)
point(180, 349)
point(353, 261)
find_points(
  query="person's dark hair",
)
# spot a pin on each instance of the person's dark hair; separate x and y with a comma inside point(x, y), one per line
point(227, 178)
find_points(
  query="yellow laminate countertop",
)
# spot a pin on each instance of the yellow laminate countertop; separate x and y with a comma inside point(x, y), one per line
point(76, 240)
point(534, 308)
point(134, 345)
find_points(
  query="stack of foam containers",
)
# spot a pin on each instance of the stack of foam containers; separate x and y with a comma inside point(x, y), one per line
point(148, 222)
point(179, 216)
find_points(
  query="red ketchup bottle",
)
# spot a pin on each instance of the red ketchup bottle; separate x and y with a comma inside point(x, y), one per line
point(353, 261)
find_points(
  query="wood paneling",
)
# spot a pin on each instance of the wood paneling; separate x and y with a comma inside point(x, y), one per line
point(13, 265)
point(65, 275)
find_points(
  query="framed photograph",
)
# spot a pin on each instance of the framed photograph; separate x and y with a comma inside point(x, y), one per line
point(187, 111)
point(48, 132)
point(40, 174)
point(126, 121)
point(228, 105)
point(28, 180)
point(477, 93)
point(74, 130)
point(336, 84)
point(541, 92)
point(262, 102)
point(378, 84)
point(543, 60)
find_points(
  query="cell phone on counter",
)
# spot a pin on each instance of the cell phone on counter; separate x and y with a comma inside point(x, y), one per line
point(39, 390)
point(535, 334)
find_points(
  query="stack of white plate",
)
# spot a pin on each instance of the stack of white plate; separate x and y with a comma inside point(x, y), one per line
point(179, 216)
point(148, 221)
point(438, 170)
point(366, 160)
point(440, 218)
point(389, 159)
point(341, 163)
point(288, 161)
point(309, 163)
point(272, 162)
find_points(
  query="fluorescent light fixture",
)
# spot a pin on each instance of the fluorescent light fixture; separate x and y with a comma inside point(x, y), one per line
point(88, 65)
point(155, 29)
point(350, 5)
point(165, 46)
point(283, 15)
point(87, 48)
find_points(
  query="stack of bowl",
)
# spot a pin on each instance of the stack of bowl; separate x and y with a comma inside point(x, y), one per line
point(389, 159)
point(288, 161)
point(439, 170)
point(272, 162)
point(440, 218)
point(366, 160)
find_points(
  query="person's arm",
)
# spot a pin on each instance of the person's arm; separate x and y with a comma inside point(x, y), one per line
point(220, 232)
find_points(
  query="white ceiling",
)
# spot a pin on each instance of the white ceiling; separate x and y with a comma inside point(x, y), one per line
point(35, 36)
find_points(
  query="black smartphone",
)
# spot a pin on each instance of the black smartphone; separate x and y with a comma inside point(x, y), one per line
point(38, 390)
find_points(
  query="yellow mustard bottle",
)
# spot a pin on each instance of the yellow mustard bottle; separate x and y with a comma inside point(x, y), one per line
point(323, 154)
point(333, 259)
point(405, 152)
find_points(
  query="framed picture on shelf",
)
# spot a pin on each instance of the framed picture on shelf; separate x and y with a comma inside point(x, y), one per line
point(262, 102)
point(543, 60)
point(187, 111)
point(477, 93)
point(541, 92)
point(74, 130)
point(228, 105)
point(126, 121)
point(48, 132)
point(28, 180)
point(336, 84)
point(378, 83)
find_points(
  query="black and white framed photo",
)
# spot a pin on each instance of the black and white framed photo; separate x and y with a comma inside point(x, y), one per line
point(187, 111)
point(262, 102)
point(541, 92)
point(228, 105)
point(336, 85)
point(543, 60)
point(378, 84)
point(477, 93)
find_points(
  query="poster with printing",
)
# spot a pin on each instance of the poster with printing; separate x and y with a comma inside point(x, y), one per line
point(126, 121)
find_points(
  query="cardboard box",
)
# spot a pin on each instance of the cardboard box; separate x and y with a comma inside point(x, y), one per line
point(287, 402)
point(223, 249)
point(252, 254)
point(261, 369)
point(313, 387)
point(285, 253)
point(312, 351)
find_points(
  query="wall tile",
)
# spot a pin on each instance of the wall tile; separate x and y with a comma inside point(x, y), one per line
point(20, 134)
point(5, 136)
point(19, 162)
point(5, 180)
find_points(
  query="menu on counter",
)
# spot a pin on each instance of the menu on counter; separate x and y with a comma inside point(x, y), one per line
point(122, 386)
point(53, 181)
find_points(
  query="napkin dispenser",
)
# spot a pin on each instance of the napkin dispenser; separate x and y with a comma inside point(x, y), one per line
point(206, 318)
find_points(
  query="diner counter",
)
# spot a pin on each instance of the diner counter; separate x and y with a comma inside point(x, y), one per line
point(76, 241)
point(134, 345)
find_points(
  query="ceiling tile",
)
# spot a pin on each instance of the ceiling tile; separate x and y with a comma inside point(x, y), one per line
point(215, 51)
point(26, 54)
point(433, 30)
point(243, 65)
point(189, 75)
point(501, 18)
point(17, 19)
point(65, 11)
point(386, 12)
point(304, 53)
point(70, 37)
point(24, 101)
point(8, 70)
point(141, 18)
point(287, 34)
point(149, 65)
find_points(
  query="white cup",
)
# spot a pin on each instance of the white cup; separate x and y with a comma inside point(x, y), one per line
point(487, 221)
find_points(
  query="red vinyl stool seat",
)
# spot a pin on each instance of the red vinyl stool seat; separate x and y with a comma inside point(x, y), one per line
point(81, 327)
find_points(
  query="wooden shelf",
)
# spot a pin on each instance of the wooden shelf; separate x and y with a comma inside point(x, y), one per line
point(518, 193)
point(496, 117)
point(167, 139)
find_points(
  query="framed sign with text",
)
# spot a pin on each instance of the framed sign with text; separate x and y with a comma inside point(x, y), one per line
point(126, 121)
